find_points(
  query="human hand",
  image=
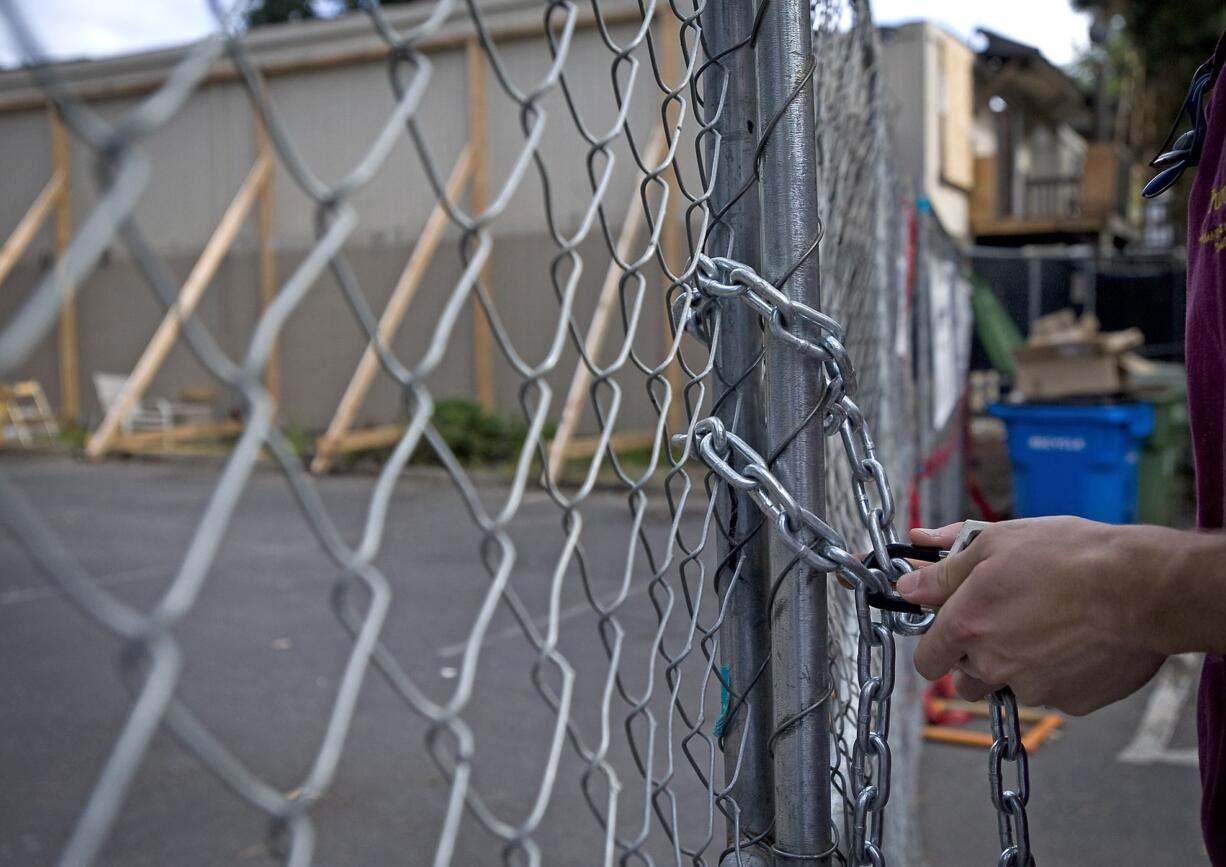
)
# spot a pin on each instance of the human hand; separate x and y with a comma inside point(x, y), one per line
point(1043, 605)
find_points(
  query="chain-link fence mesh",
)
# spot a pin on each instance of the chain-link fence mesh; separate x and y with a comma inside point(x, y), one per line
point(648, 733)
point(862, 262)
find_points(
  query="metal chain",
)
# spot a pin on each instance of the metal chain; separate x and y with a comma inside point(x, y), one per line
point(1010, 804)
point(815, 335)
point(1007, 746)
point(811, 538)
point(823, 548)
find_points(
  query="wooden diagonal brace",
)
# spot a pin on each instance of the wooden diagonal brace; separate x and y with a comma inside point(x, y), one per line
point(101, 440)
point(332, 442)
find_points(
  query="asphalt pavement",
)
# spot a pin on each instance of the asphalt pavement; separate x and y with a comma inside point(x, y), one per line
point(263, 653)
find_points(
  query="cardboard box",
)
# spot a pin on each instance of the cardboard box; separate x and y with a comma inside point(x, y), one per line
point(1066, 356)
point(1048, 372)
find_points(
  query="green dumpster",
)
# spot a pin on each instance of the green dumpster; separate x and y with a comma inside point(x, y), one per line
point(1159, 479)
point(997, 332)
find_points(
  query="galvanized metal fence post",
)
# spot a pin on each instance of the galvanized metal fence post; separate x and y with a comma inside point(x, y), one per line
point(922, 343)
point(744, 567)
point(790, 231)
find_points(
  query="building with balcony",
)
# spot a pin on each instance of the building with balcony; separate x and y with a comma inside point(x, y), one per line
point(1002, 144)
point(1039, 175)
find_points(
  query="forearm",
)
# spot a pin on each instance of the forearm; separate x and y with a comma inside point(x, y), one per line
point(1178, 596)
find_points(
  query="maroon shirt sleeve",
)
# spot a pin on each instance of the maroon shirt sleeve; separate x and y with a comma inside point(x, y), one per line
point(1206, 359)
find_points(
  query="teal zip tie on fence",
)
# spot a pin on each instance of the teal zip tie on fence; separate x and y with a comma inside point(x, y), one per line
point(724, 674)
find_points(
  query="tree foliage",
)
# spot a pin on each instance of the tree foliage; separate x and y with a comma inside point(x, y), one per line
point(1170, 40)
point(281, 11)
point(278, 11)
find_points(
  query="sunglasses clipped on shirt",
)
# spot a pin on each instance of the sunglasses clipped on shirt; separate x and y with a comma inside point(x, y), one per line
point(1179, 154)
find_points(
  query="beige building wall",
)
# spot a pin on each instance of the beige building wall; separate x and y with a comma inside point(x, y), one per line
point(929, 85)
point(333, 111)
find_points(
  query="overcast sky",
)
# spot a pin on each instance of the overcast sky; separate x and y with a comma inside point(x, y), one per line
point(1051, 25)
point(101, 28)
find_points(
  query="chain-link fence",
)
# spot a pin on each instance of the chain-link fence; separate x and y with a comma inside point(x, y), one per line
point(738, 708)
point(941, 292)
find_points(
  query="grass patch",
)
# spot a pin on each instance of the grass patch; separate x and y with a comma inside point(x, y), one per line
point(73, 436)
point(475, 437)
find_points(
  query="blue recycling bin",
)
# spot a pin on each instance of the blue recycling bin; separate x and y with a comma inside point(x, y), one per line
point(1076, 460)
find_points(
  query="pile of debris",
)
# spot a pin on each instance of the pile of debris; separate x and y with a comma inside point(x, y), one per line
point(1066, 356)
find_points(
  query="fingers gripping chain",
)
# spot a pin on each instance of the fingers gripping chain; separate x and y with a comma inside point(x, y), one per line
point(815, 335)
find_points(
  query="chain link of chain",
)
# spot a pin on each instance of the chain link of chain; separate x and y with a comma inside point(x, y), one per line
point(817, 336)
point(822, 548)
point(1011, 803)
point(870, 755)
point(1007, 746)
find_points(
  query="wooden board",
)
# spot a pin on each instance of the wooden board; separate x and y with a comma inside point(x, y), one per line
point(101, 440)
point(585, 447)
point(381, 436)
point(1042, 725)
point(27, 227)
point(957, 76)
point(478, 143)
point(266, 231)
point(389, 322)
point(70, 374)
point(137, 441)
point(572, 409)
